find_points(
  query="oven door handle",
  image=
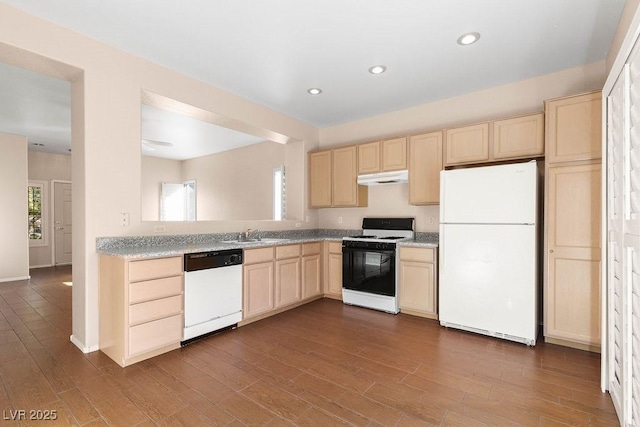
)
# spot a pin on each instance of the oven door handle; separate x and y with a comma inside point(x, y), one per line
point(379, 251)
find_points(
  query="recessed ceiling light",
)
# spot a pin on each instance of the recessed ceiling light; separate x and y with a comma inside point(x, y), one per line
point(314, 91)
point(469, 38)
point(377, 69)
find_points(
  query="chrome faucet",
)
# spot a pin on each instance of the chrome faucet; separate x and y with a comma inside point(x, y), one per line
point(251, 233)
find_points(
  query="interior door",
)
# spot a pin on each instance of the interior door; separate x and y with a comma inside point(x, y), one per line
point(62, 222)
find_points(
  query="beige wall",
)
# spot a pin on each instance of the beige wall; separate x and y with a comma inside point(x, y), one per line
point(525, 96)
point(236, 184)
point(155, 171)
point(106, 92)
point(47, 167)
point(233, 185)
point(14, 249)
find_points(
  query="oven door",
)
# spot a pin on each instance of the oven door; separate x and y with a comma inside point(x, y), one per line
point(369, 270)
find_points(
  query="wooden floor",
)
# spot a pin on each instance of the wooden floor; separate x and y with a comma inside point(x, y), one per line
point(321, 364)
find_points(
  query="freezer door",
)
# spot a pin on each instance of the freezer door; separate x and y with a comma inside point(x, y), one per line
point(504, 194)
point(488, 278)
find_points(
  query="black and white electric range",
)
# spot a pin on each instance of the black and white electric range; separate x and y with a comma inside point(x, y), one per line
point(369, 263)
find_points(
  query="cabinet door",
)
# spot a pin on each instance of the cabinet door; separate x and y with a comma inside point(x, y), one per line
point(346, 191)
point(468, 144)
point(369, 158)
point(573, 254)
point(311, 282)
point(288, 288)
point(417, 287)
point(320, 179)
point(258, 289)
point(394, 154)
point(518, 137)
point(334, 275)
point(574, 128)
point(425, 164)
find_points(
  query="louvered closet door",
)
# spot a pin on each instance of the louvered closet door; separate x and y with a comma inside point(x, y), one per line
point(631, 231)
point(616, 129)
point(623, 250)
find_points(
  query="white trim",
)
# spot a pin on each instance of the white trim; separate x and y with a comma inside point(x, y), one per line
point(75, 341)
point(604, 243)
point(623, 54)
point(53, 234)
point(14, 279)
point(41, 266)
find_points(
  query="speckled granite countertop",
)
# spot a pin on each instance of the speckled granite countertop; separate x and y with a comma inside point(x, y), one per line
point(163, 246)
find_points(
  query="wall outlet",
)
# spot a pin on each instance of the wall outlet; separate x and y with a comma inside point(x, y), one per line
point(124, 219)
point(339, 220)
point(430, 220)
point(308, 218)
point(298, 225)
point(159, 229)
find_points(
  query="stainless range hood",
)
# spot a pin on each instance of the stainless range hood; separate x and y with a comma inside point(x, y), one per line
point(382, 178)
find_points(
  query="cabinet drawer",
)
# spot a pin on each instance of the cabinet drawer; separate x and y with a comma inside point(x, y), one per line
point(154, 268)
point(155, 289)
point(252, 256)
point(150, 310)
point(311, 248)
point(417, 254)
point(151, 335)
point(335, 247)
point(287, 251)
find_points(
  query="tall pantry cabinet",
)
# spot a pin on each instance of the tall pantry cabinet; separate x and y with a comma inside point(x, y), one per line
point(573, 221)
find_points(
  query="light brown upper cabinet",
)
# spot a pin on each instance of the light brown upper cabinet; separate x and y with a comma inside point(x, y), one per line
point(382, 156)
point(320, 179)
point(394, 154)
point(574, 128)
point(346, 191)
point(369, 158)
point(425, 164)
point(333, 176)
point(518, 137)
point(467, 144)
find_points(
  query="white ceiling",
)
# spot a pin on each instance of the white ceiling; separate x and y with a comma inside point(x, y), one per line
point(272, 51)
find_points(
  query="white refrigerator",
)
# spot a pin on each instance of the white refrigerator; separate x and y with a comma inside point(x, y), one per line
point(488, 251)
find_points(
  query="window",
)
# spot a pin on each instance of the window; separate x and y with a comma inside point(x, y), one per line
point(36, 214)
point(178, 201)
point(279, 196)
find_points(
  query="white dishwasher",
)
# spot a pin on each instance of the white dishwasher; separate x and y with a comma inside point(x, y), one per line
point(212, 292)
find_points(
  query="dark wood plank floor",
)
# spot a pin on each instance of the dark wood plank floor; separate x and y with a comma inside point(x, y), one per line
point(321, 364)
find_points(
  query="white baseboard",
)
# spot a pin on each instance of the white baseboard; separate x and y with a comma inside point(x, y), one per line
point(14, 279)
point(41, 266)
point(82, 347)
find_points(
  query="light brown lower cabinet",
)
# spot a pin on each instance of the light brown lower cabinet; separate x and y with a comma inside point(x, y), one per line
point(288, 288)
point(279, 278)
point(333, 270)
point(140, 307)
point(311, 270)
point(573, 268)
point(258, 289)
point(418, 290)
